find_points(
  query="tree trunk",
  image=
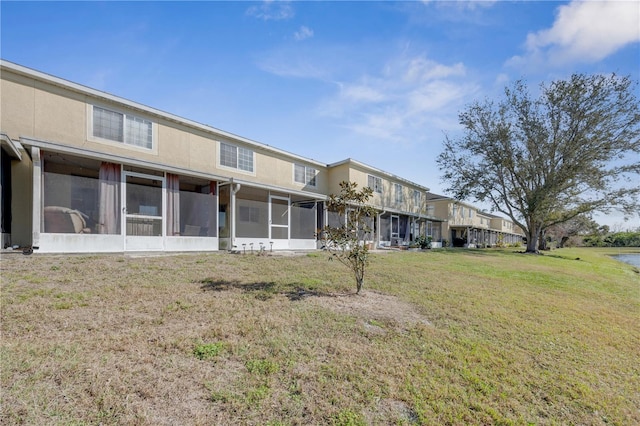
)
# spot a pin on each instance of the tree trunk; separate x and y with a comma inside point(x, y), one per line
point(532, 240)
point(542, 241)
point(359, 273)
point(563, 241)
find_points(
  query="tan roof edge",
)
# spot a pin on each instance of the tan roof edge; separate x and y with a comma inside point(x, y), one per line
point(79, 88)
point(377, 171)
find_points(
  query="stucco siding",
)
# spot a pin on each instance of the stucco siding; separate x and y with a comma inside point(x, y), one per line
point(58, 115)
point(338, 174)
point(21, 206)
point(17, 105)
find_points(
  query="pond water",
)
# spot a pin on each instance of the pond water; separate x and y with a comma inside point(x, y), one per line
point(631, 259)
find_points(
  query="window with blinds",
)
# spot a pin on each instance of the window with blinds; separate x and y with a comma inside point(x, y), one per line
point(236, 157)
point(399, 194)
point(417, 198)
point(124, 128)
point(304, 175)
point(375, 183)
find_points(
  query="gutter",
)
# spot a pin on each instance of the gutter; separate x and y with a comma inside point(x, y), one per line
point(11, 147)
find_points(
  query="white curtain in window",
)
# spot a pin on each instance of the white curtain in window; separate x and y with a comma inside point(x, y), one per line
point(109, 214)
point(173, 204)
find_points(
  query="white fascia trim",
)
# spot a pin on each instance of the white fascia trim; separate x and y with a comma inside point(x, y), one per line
point(375, 170)
point(84, 90)
point(384, 210)
point(11, 147)
point(82, 152)
point(312, 195)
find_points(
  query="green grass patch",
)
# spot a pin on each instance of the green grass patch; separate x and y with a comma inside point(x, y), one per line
point(437, 337)
point(204, 351)
point(262, 367)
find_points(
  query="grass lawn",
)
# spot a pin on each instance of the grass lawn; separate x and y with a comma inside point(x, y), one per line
point(438, 337)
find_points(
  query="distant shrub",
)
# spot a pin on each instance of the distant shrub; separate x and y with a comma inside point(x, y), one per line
point(618, 239)
point(424, 242)
point(623, 239)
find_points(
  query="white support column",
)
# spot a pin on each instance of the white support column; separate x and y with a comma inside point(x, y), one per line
point(36, 207)
point(235, 187)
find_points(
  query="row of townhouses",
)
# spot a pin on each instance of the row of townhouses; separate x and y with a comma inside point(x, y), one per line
point(86, 171)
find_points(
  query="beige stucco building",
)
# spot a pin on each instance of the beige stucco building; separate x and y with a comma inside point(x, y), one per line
point(87, 171)
point(468, 226)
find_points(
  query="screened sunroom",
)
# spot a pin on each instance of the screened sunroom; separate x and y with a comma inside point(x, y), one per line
point(254, 218)
point(92, 205)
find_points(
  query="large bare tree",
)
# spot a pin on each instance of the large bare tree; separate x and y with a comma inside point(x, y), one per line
point(541, 161)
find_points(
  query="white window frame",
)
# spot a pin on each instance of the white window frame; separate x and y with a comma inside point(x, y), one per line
point(377, 183)
point(239, 150)
point(399, 193)
point(309, 175)
point(417, 198)
point(126, 138)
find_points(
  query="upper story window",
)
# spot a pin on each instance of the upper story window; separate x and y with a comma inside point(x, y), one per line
point(375, 183)
point(470, 213)
point(417, 197)
point(304, 175)
point(236, 157)
point(399, 193)
point(123, 128)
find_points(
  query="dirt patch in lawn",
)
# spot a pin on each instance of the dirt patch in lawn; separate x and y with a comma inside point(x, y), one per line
point(374, 309)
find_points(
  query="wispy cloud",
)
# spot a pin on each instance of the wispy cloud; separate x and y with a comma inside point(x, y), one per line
point(398, 105)
point(290, 63)
point(584, 31)
point(270, 10)
point(463, 4)
point(303, 33)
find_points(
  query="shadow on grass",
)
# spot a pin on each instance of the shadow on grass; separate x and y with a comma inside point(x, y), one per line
point(263, 290)
point(559, 256)
point(470, 251)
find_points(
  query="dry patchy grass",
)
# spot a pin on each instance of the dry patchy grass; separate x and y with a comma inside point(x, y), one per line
point(440, 337)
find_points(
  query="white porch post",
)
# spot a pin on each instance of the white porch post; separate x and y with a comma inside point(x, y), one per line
point(235, 187)
point(36, 207)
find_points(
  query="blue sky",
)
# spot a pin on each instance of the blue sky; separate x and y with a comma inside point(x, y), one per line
point(381, 82)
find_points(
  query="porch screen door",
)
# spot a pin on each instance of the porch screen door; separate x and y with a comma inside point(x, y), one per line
point(279, 220)
point(144, 212)
point(395, 228)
